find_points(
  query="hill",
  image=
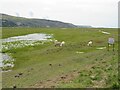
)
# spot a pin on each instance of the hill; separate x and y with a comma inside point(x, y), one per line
point(13, 21)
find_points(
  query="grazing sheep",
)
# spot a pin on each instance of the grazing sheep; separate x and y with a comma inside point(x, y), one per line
point(55, 41)
point(57, 44)
point(60, 44)
point(90, 43)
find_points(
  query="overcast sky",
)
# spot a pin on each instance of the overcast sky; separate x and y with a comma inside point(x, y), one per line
point(101, 13)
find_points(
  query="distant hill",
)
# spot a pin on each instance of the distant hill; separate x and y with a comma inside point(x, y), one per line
point(84, 26)
point(13, 21)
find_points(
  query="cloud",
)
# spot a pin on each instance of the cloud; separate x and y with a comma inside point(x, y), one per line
point(17, 14)
point(31, 14)
point(88, 12)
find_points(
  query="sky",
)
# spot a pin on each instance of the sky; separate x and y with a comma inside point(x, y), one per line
point(97, 13)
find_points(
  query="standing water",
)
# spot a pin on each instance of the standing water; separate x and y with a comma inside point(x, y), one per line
point(21, 41)
point(33, 37)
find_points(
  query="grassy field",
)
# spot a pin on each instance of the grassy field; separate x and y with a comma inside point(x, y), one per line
point(93, 68)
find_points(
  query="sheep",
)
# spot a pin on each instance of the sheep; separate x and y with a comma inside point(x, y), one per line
point(60, 44)
point(90, 43)
point(55, 41)
point(57, 44)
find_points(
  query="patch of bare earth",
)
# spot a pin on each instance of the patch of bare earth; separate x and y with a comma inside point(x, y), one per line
point(65, 78)
point(54, 82)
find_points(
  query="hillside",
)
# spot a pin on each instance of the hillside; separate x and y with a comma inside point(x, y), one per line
point(13, 21)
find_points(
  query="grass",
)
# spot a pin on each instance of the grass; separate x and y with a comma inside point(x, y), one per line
point(94, 68)
point(102, 73)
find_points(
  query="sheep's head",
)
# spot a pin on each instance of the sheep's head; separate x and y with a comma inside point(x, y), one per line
point(62, 42)
point(55, 41)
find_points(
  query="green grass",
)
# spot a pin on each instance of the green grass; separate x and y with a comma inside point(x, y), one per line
point(98, 68)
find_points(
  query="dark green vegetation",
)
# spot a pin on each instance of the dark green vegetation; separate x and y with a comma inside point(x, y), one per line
point(49, 66)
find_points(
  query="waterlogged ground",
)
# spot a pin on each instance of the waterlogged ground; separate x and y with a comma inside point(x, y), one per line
point(7, 62)
point(26, 40)
point(30, 37)
point(75, 65)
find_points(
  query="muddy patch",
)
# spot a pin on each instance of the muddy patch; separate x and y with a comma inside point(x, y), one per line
point(53, 83)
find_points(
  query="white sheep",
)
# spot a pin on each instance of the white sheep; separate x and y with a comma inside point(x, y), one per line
point(62, 43)
point(90, 43)
point(55, 41)
point(59, 43)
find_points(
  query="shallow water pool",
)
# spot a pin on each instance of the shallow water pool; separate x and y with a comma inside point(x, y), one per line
point(31, 37)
